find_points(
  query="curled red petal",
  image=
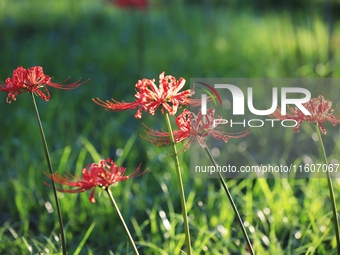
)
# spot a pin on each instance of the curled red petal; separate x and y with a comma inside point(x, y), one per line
point(320, 110)
point(69, 86)
point(103, 174)
point(92, 199)
point(150, 98)
point(32, 80)
point(115, 105)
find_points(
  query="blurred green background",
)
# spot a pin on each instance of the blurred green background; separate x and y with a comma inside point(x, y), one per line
point(114, 48)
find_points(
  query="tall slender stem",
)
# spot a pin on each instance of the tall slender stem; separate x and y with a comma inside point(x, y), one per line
point(48, 159)
point(233, 205)
point(180, 185)
point(331, 191)
point(135, 251)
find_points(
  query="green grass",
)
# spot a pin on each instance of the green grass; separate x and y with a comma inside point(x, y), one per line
point(91, 40)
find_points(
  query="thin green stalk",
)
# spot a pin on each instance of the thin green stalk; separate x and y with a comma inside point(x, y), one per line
point(233, 205)
point(135, 251)
point(180, 185)
point(48, 159)
point(331, 192)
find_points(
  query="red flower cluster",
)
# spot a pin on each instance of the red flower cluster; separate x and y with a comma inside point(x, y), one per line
point(150, 97)
point(196, 128)
point(102, 174)
point(31, 80)
point(320, 109)
point(135, 4)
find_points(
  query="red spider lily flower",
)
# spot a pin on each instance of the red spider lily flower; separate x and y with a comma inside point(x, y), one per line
point(149, 97)
point(320, 109)
point(31, 80)
point(134, 4)
point(102, 174)
point(195, 128)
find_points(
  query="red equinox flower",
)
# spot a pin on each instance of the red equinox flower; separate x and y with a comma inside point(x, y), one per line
point(320, 109)
point(102, 174)
point(150, 97)
point(196, 128)
point(136, 4)
point(31, 80)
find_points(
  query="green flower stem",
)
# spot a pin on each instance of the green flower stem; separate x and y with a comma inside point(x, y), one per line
point(181, 188)
point(224, 184)
point(331, 192)
point(48, 159)
point(135, 251)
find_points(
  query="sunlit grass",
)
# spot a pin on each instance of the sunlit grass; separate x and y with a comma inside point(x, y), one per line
point(91, 40)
